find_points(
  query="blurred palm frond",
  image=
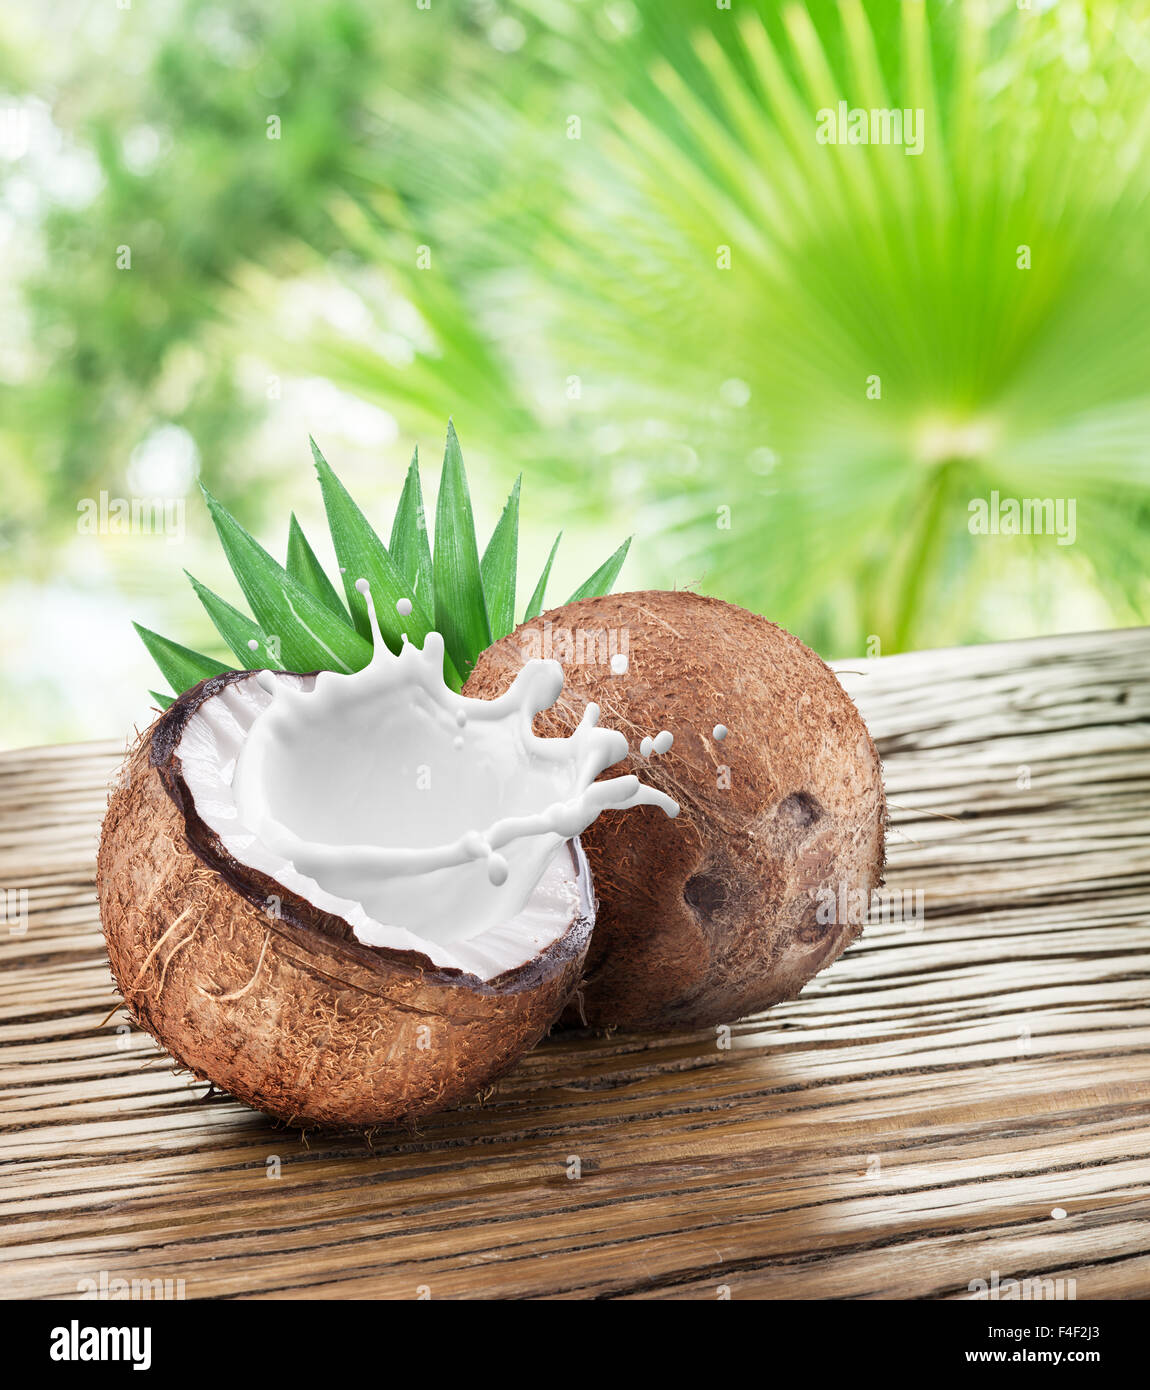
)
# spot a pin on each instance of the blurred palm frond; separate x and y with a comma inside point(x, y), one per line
point(896, 334)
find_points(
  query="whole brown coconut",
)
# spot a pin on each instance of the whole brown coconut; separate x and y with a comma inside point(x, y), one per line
point(734, 905)
point(284, 1008)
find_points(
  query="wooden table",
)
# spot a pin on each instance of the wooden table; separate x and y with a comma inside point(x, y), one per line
point(919, 1119)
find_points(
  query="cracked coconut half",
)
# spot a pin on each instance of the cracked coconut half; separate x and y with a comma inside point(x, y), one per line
point(354, 899)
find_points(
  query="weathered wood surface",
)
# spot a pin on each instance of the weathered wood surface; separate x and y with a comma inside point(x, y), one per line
point(907, 1126)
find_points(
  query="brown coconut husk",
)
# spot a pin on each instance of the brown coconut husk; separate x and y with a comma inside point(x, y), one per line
point(714, 915)
point(253, 988)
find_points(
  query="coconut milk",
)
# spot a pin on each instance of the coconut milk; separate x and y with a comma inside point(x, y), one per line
point(436, 813)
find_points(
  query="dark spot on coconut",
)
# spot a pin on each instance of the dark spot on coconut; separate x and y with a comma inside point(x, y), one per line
point(800, 809)
point(706, 893)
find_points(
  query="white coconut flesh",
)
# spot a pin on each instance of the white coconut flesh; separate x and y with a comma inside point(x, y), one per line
point(428, 821)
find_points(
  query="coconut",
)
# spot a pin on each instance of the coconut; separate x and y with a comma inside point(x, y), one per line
point(258, 982)
point(764, 877)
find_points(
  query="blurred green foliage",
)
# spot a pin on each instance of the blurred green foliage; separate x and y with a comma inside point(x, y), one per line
point(193, 187)
point(515, 212)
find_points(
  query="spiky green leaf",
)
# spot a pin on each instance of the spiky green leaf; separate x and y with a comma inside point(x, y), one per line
point(410, 545)
point(499, 567)
point(305, 569)
point(362, 555)
point(310, 636)
point(162, 700)
point(300, 623)
point(460, 610)
point(535, 603)
point(180, 666)
point(237, 630)
point(604, 577)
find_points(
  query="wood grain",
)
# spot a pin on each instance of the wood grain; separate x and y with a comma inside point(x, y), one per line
point(907, 1126)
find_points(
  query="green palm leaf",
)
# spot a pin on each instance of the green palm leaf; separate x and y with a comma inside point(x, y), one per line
point(180, 666)
point(602, 581)
point(307, 571)
point(362, 555)
point(310, 636)
point(535, 603)
point(498, 568)
point(238, 630)
point(409, 546)
point(460, 608)
point(300, 622)
point(887, 328)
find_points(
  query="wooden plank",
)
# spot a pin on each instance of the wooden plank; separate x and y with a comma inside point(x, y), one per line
point(909, 1125)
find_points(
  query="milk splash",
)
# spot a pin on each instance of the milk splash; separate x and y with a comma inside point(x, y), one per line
point(435, 813)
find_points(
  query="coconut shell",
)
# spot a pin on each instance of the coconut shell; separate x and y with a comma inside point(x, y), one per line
point(723, 911)
point(255, 989)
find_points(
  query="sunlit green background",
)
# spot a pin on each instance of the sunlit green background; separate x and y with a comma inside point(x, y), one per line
point(515, 213)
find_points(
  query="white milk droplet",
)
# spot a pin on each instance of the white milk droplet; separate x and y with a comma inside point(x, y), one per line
point(457, 743)
point(461, 718)
point(719, 732)
point(253, 645)
point(1058, 1213)
point(646, 746)
point(497, 869)
point(619, 664)
point(403, 607)
point(663, 740)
